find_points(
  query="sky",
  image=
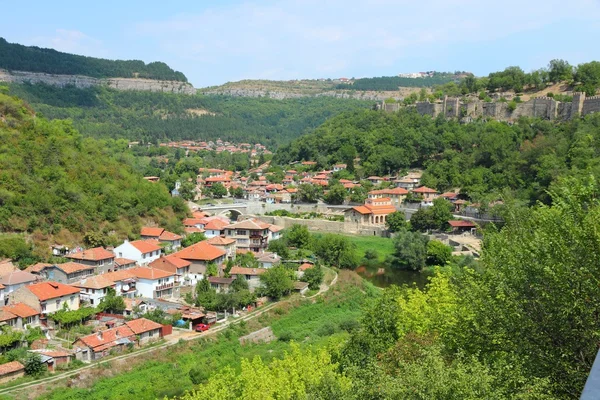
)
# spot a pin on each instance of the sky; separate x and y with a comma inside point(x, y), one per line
point(214, 42)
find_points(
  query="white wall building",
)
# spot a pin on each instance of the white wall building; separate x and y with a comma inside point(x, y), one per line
point(141, 251)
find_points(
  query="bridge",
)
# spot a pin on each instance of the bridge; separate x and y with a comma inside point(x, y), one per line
point(235, 209)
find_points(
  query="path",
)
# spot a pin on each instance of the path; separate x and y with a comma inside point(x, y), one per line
point(171, 342)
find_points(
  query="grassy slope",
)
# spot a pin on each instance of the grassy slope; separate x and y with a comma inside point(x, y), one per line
point(166, 372)
point(383, 246)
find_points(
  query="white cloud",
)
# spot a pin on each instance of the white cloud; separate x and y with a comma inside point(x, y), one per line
point(71, 41)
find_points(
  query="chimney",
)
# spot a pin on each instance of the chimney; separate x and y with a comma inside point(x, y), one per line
point(99, 335)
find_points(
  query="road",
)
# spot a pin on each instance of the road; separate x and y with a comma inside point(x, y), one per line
point(212, 331)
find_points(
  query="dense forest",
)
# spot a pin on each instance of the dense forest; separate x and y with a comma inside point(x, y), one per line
point(16, 57)
point(53, 180)
point(153, 117)
point(392, 83)
point(482, 158)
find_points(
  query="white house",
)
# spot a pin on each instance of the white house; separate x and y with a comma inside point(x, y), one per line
point(214, 228)
point(94, 289)
point(141, 251)
point(47, 297)
point(153, 282)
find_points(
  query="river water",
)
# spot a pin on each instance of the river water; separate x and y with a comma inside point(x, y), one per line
point(383, 276)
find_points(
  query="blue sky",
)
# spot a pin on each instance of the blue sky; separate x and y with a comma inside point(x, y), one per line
point(214, 42)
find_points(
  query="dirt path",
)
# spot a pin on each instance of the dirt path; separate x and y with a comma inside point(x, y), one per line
point(68, 374)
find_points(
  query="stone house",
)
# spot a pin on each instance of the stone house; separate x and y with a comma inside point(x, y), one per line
point(94, 288)
point(396, 195)
point(19, 316)
point(221, 285)
point(11, 371)
point(252, 275)
point(69, 272)
point(47, 297)
point(250, 234)
point(97, 257)
point(226, 244)
point(53, 358)
point(143, 252)
point(428, 195)
point(97, 345)
point(145, 330)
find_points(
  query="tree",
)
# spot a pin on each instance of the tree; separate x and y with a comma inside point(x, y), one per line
point(438, 253)
point(111, 303)
point(309, 193)
point(247, 260)
point(422, 220)
point(212, 269)
point(559, 70)
point(336, 194)
point(277, 281)
point(239, 283)
point(206, 296)
point(396, 221)
point(314, 276)
point(192, 238)
point(280, 247)
point(33, 364)
point(217, 190)
point(410, 250)
point(588, 76)
point(95, 239)
point(298, 236)
point(236, 192)
point(336, 250)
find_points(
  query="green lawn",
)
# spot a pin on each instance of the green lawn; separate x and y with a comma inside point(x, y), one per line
point(383, 246)
point(167, 372)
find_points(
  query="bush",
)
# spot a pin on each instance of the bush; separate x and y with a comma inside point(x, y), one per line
point(349, 325)
point(285, 336)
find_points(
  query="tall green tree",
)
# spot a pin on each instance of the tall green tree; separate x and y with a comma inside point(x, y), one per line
point(410, 250)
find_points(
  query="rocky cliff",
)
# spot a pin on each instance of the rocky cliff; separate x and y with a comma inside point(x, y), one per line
point(284, 94)
point(86, 81)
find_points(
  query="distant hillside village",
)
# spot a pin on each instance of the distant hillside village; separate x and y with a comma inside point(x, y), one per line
point(218, 146)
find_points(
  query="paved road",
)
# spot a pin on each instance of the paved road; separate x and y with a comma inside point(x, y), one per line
point(171, 342)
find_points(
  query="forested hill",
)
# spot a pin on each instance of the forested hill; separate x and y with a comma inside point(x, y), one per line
point(16, 57)
point(483, 159)
point(53, 181)
point(104, 113)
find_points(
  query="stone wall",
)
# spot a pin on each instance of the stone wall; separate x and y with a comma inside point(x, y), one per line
point(321, 225)
point(86, 81)
point(540, 107)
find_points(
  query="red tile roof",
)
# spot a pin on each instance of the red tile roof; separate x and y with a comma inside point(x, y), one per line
point(11, 367)
point(192, 229)
point(18, 277)
point(95, 282)
point(362, 210)
point(51, 290)
point(170, 263)
point(202, 251)
point(21, 310)
point(106, 339)
point(250, 224)
point(120, 275)
point(150, 273)
point(123, 261)
point(142, 325)
point(151, 231)
point(37, 268)
point(72, 267)
point(6, 315)
point(462, 224)
point(193, 221)
point(95, 254)
point(247, 271)
point(305, 266)
point(424, 189)
point(55, 353)
point(169, 236)
point(220, 241)
point(146, 246)
point(215, 225)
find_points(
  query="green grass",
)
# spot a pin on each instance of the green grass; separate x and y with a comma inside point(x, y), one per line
point(167, 372)
point(383, 246)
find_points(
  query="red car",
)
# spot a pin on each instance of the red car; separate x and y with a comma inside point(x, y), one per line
point(201, 327)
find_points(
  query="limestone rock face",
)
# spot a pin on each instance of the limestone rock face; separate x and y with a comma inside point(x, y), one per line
point(86, 81)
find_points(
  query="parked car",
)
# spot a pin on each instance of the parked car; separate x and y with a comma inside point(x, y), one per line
point(201, 327)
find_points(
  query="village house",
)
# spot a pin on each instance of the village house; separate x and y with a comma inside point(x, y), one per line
point(53, 358)
point(11, 371)
point(460, 226)
point(154, 283)
point(267, 259)
point(339, 167)
point(14, 281)
point(94, 289)
point(124, 282)
point(226, 244)
point(252, 275)
point(221, 285)
point(274, 232)
point(396, 195)
point(249, 234)
point(100, 344)
point(375, 180)
point(428, 195)
point(200, 255)
point(19, 316)
point(97, 257)
point(7, 266)
point(175, 265)
point(47, 297)
point(374, 212)
point(124, 263)
point(67, 272)
point(143, 252)
point(171, 240)
point(214, 227)
point(146, 330)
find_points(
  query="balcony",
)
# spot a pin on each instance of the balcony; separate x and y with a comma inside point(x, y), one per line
point(164, 286)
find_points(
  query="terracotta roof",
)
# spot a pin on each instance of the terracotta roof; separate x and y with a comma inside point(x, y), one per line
point(193, 221)
point(375, 178)
point(459, 201)
point(6, 267)
point(249, 224)
point(424, 189)
point(170, 263)
point(142, 325)
point(216, 279)
point(169, 236)
point(123, 261)
point(2, 286)
point(106, 339)
point(95, 282)
point(462, 224)
point(199, 214)
point(305, 266)
point(21, 310)
point(202, 251)
point(151, 231)
point(300, 285)
point(215, 225)
point(146, 246)
point(18, 277)
point(150, 273)
point(247, 271)
point(37, 268)
point(382, 209)
point(71, 267)
point(361, 209)
point(220, 241)
point(51, 290)
point(95, 254)
point(55, 353)
point(275, 228)
point(6, 315)
point(449, 195)
point(120, 275)
point(11, 367)
point(192, 229)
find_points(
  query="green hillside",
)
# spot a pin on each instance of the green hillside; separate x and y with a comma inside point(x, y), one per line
point(16, 57)
point(52, 178)
point(149, 116)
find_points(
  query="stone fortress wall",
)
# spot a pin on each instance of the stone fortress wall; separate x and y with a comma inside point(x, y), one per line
point(541, 107)
point(81, 81)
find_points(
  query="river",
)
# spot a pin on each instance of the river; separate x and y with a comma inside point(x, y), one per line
point(383, 276)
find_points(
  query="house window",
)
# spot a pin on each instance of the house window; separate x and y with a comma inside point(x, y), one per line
point(120, 254)
point(92, 301)
point(101, 263)
point(57, 304)
point(151, 333)
point(43, 307)
point(144, 256)
point(160, 281)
